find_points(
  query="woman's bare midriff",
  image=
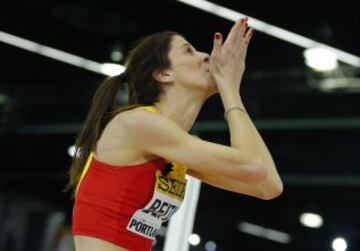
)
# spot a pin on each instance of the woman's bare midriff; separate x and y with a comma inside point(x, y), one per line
point(87, 243)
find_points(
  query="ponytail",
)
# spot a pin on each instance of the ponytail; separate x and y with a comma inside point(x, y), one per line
point(101, 112)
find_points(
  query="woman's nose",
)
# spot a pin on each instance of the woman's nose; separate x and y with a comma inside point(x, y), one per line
point(206, 58)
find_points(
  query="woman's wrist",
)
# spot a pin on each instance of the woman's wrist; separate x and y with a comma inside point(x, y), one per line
point(230, 98)
point(233, 108)
point(227, 82)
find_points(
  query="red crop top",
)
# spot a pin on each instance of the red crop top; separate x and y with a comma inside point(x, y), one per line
point(125, 205)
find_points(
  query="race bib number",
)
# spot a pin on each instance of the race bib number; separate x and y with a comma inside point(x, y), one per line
point(169, 192)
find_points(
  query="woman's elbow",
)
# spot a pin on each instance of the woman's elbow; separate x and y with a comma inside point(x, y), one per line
point(273, 191)
point(254, 174)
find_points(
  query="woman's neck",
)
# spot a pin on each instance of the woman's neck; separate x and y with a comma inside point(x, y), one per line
point(183, 111)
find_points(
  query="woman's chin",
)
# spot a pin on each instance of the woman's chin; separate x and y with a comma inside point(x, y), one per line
point(212, 87)
point(212, 81)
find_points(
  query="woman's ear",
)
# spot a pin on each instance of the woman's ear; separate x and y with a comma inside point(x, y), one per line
point(163, 76)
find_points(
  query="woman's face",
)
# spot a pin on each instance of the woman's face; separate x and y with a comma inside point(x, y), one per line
point(190, 67)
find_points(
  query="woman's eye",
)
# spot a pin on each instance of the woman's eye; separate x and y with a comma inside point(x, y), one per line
point(189, 50)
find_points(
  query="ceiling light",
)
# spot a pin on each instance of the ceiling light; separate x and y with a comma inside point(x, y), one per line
point(71, 151)
point(351, 85)
point(57, 54)
point(111, 69)
point(194, 239)
point(339, 244)
point(210, 246)
point(117, 56)
point(117, 52)
point(320, 59)
point(267, 233)
point(311, 220)
point(270, 29)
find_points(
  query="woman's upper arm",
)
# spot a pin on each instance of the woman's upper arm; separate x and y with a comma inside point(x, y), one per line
point(159, 135)
point(227, 184)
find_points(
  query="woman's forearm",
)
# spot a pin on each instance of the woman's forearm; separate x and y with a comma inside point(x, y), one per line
point(242, 134)
point(245, 136)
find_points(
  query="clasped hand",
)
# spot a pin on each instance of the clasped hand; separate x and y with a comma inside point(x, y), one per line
point(227, 60)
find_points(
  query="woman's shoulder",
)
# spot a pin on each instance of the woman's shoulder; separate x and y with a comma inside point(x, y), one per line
point(137, 112)
point(130, 118)
point(121, 127)
point(117, 144)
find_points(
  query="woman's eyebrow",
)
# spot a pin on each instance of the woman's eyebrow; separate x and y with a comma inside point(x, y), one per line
point(187, 44)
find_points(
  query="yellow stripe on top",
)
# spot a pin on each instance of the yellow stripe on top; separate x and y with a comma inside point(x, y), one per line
point(150, 108)
point(86, 168)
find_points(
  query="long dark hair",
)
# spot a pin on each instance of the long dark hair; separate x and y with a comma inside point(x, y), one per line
point(147, 55)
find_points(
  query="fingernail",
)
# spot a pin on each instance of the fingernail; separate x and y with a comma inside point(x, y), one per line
point(251, 33)
point(217, 36)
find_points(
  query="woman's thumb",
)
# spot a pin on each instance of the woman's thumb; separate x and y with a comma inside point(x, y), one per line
point(217, 42)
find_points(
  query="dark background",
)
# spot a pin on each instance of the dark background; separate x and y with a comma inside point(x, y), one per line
point(313, 134)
